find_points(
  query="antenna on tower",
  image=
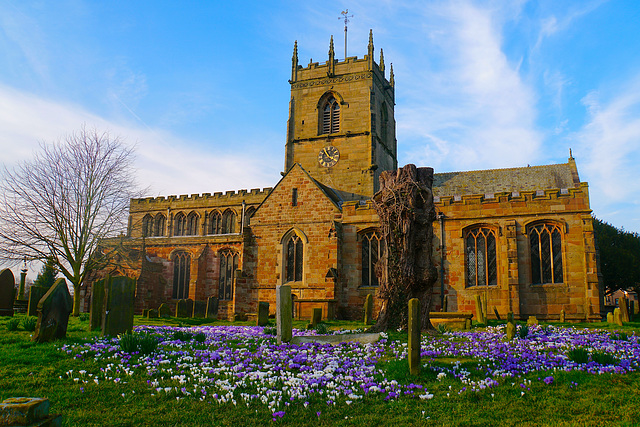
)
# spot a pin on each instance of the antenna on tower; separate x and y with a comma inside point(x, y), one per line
point(345, 16)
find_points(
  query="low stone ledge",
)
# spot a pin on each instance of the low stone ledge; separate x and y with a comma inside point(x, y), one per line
point(337, 339)
point(27, 411)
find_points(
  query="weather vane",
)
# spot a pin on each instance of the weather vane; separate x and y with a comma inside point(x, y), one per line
point(345, 16)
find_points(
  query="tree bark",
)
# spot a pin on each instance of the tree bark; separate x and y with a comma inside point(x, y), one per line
point(405, 207)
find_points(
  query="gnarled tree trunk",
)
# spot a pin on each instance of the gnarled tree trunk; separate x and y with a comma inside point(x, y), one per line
point(405, 207)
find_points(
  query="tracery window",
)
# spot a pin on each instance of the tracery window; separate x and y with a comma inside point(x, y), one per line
point(545, 241)
point(480, 257)
point(248, 214)
point(330, 116)
point(294, 248)
point(372, 248)
point(180, 221)
point(147, 226)
point(158, 225)
point(229, 222)
point(215, 223)
point(181, 275)
point(228, 267)
point(192, 224)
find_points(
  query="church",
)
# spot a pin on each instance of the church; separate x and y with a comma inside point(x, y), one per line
point(521, 237)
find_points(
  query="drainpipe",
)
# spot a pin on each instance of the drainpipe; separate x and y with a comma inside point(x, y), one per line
point(244, 205)
point(441, 218)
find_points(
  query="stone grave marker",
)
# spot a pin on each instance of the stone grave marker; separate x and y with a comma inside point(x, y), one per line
point(35, 293)
point(284, 318)
point(316, 316)
point(212, 308)
point(263, 313)
point(152, 313)
point(119, 300)
point(495, 311)
point(199, 309)
point(511, 331)
point(164, 310)
point(532, 320)
point(624, 310)
point(479, 312)
point(7, 292)
point(609, 317)
point(54, 309)
point(617, 317)
point(182, 308)
point(368, 310)
point(189, 303)
point(97, 304)
point(562, 316)
point(145, 312)
point(414, 336)
point(510, 317)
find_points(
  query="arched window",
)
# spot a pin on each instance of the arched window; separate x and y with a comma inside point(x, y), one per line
point(229, 222)
point(181, 275)
point(180, 221)
point(330, 116)
point(158, 226)
point(248, 214)
point(215, 223)
point(147, 226)
point(545, 241)
point(294, 248)
point(192, 224)
point(372, 248)
point(228, 267)
point(480, 257)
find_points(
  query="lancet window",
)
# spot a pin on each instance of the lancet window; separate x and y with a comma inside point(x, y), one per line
point(181, 275)
point(372, 249)
point(228, 267)
point(294, 248)
point(545, 242)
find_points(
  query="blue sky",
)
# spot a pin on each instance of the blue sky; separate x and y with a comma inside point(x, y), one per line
point(201, 87)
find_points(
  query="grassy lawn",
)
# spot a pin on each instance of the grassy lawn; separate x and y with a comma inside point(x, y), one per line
point(116, 388)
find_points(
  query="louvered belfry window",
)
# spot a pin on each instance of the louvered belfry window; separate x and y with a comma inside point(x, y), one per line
point(480, 254)
point(331, 116)
point(545, 241)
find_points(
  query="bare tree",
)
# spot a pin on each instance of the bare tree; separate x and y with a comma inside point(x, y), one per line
point(60, 204)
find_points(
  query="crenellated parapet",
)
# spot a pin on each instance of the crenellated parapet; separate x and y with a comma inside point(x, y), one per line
point(199, 201)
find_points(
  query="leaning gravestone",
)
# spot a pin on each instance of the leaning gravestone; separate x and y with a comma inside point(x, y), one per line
point(54, 309)
point(164, 310)
point(199, 309)
point(97, 304)
point(263, 313)
point(7, 292)
point(35, 293)
point(479, 312)
point(212, 308)
point(119, 300)
point(368, 310)
point(609, 317)
point(624, 310)
point(284, 318)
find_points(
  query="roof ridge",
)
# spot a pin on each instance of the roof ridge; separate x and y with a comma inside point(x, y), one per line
point(505, 169)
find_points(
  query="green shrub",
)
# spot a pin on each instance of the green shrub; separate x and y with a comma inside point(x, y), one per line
point(13, 323)
point(182, 336)
point(200, 337)
point(578, 355)
point(142, 343)
point(603, 358)
point(128, 342)
point(442, 328)
point(620, 336)
point(322, 328)
point(523, 331)
point(270, 330)
point(84, 317)
point(147, 343)
point(29, 323)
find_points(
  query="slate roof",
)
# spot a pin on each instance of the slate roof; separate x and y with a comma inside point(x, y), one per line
point(531, 178)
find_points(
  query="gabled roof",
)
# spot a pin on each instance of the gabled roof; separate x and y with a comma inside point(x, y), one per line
point(530, 178)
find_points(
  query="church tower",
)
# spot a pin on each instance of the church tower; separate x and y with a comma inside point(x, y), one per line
point(341, 126)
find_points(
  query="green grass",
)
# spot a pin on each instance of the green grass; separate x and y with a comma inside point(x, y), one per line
point(28, 369)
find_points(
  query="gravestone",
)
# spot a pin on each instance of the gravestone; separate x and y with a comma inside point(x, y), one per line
point(54, 309)
point(510, 317)
point(284, 318)
point(263, 313)
point(562, 316)
point(495, 311)
point(479, 312)
point(35, 293)
point(624, 310)
point(145, 312)
point(189, 303)
point(467, 323)
point(368, 310)
point(617, 317)
point(199, 309)
point(532, 320)
point(119, 300)
point(414, 336)
point(212, 308)
point(97, 304)
point(7, 292)
point(511, 331)
point(316, 317)
point(182, 308)
point(609, 317)
point(152, 313)
point(164, 311)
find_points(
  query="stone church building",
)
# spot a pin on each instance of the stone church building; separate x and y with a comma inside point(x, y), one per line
point(521, 236)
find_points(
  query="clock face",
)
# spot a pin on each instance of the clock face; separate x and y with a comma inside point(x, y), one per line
point(328, 156)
